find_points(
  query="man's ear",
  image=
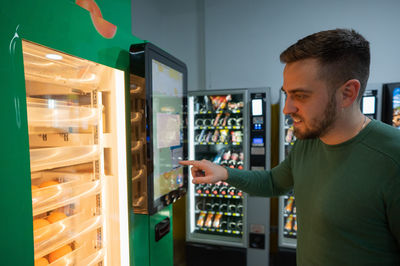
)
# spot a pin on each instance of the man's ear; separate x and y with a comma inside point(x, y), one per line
point(349, 92)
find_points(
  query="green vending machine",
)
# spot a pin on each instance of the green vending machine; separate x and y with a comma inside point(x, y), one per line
point(66, 194)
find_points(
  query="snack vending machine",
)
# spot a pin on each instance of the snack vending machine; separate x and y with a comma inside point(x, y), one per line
point(391, 104)
point(64, 165)
point(225, 225)
point(287, 222)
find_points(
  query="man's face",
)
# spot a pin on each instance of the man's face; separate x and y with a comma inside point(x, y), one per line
point(309, 101)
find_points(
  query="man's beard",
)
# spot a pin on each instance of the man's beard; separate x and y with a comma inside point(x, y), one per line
point(318, 127)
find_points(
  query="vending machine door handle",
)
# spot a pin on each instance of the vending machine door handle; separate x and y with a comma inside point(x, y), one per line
point(162, 228)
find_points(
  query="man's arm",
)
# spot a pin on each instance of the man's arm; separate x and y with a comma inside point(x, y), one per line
point(277, 182)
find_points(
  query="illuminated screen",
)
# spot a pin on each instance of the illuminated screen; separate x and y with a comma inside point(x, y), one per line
point(167, 128)
point(396, 108)
point(256, 107)
point(368, 105)
point(258, 141)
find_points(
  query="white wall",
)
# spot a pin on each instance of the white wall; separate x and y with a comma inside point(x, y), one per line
point(236, 43)
point(177, 27)
point(244, 38)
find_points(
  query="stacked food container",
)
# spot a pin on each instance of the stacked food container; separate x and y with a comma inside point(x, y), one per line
point(77, 159)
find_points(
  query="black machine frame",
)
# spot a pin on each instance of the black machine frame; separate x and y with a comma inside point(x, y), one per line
point(141, 56)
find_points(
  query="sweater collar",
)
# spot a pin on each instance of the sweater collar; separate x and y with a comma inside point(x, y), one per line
point(357, 138)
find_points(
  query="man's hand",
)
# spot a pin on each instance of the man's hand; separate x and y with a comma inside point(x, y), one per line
point(206, 172)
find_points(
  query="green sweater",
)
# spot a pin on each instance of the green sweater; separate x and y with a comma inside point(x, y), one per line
point(347, 197)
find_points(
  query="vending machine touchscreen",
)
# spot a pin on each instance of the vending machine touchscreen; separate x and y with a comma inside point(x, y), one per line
point(158, 100)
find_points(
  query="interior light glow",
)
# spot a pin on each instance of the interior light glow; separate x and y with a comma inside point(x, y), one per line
point(42, 64)
point(51, 103)
point(122, 167)
point(54, 56)
point(191, 155)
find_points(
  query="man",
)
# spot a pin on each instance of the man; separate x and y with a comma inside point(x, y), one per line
point(344, 168)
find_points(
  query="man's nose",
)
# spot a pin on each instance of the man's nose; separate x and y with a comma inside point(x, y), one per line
point(289, 107)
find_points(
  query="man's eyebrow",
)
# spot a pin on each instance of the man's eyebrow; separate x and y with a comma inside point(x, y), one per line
point(297, 90)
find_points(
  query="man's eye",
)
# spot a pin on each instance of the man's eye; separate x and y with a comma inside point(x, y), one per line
point(300, 96)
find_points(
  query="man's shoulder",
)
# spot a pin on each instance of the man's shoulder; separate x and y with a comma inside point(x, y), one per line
point(384, 139)
point(382, 133)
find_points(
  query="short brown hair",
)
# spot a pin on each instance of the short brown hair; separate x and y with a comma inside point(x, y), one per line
point(343, 54)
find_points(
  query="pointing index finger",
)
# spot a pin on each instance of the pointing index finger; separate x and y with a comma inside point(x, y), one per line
point(189, 162)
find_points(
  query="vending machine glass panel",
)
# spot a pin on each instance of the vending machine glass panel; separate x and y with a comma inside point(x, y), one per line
point(76, 122)
point(231, 128)
point(287, 227)
point(217, 122)
point(216, 133)
point(396, 107)
point(391, 104)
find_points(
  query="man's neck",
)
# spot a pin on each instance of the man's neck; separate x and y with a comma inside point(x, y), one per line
point(346, 126)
